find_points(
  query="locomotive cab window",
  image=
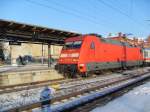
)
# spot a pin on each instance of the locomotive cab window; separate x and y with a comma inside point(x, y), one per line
point(92, 46)
point(68, 45)
point(72, 45)
point(77, 44)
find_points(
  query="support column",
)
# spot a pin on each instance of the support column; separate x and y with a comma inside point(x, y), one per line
point(10, 54)
point(49, 55)
point(42, 60)
point(13, 55)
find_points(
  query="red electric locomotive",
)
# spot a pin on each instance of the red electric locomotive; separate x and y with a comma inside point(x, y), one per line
point(89, 53)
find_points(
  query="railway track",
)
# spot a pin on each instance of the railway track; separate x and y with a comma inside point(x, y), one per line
point(18, 98)
point(77, 90)
point(32, 85)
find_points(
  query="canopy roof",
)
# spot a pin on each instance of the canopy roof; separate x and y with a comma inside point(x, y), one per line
point(20, 32)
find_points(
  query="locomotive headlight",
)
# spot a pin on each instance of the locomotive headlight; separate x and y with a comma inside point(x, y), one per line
point(81, 65)
point(75, 60)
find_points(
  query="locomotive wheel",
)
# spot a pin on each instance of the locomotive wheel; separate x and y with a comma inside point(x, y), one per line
point(86, 74)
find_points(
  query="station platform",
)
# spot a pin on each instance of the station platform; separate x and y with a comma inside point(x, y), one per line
point(10, 75)
point(9, 68)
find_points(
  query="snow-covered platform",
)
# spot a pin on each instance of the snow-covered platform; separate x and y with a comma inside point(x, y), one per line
point(10, 75)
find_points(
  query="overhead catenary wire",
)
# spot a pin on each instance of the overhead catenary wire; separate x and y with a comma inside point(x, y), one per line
point(122, 6)
point(73, 10)
point(131, 8)
point(91, 19)
point(130, 12)
point(79, 15)
point(123, 13)
point(102, 13)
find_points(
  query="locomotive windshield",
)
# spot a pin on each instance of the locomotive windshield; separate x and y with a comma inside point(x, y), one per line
point(72, 45)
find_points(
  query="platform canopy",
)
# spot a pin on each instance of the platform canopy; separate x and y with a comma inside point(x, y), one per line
point(19, 32)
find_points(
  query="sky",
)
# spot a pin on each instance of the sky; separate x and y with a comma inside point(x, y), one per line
point(82, 16)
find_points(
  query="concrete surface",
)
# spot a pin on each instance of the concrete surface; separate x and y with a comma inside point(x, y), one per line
point(25, 74)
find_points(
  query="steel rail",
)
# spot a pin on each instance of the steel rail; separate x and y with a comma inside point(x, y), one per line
point(87, 90)
point(32, 85)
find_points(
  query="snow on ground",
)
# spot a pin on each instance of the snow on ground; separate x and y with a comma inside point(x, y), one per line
point(15, 99)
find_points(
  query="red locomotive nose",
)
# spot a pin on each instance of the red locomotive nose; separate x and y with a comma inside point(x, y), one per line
point(69, 56)
point(70, 52)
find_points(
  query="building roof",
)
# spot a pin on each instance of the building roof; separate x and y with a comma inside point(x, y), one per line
point(123, 38)
point(20, 32)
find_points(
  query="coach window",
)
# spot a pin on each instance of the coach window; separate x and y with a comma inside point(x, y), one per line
point(92, 46)
point(146, 54)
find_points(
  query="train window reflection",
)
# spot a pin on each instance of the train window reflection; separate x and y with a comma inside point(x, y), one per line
point(77, 44)
point(72, 45)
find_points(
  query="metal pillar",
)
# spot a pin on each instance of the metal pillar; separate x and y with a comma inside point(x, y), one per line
point(10, 54)
point(49, 55)
point(42, 60)
point(13, 56)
